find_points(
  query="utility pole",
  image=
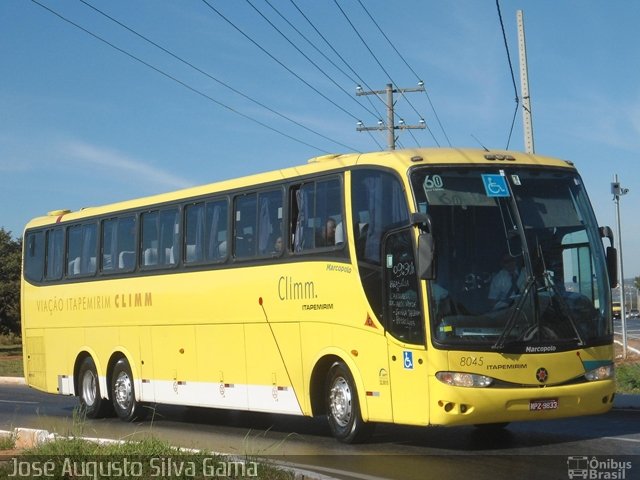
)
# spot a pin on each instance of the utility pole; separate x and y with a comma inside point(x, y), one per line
point(617, 192)
point(390, 127)
point(524, 84)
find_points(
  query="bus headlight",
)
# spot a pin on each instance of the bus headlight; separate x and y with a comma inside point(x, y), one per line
point(601, 373)
point(460, 379)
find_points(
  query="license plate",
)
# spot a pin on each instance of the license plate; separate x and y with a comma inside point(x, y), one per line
point(543, 404)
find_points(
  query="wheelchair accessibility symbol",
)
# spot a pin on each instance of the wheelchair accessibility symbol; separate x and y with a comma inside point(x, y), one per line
point(408, 360)
point(495, 185)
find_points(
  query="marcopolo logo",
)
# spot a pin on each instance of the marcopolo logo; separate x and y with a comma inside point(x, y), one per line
point(598, 468)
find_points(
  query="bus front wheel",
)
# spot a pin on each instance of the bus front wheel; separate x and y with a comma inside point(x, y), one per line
point(123, 393)
point(91, 402)
point(343, 409)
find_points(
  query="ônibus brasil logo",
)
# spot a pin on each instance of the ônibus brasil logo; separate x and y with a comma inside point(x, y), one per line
point(595, 468)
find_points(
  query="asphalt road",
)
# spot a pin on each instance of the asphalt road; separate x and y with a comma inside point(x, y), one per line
point(524, 450)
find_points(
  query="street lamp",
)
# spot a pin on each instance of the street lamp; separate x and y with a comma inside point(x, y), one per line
point(617, 192)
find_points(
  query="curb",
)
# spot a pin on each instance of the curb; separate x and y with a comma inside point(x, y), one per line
point(12, 381)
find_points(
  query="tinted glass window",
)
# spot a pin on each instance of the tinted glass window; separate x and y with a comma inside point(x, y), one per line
point(81, 249)
point(270, 223)
point(244, 244)
point(317, 210)
point(55, 239)
point(119, 244)
point(160, 230)
point(378, 205)
point(34, 256)
point(206, 231)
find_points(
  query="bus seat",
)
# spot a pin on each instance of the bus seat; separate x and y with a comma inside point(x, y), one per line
point(126, 260)
point(74, 267)
point(168, 256)
point(190, 253)
point(222, 249)
point(150, 257)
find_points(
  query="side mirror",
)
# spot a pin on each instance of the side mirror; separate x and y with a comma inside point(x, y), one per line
point(612, 266)
point(422, 221)
point(612, 256)
point(426, 258)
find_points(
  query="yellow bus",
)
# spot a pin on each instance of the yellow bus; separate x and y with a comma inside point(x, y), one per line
point(617, 310)
point(364, 287)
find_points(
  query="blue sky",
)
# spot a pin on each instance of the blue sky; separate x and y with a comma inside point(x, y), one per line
point(84, 124)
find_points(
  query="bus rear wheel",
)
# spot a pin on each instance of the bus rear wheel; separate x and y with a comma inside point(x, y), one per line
point(91, 402)
point(343, 409)
point(123, 393)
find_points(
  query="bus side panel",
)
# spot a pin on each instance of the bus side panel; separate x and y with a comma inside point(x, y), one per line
point(135, 344)
point(60, 366)
point(360, 351)
point(222, 365)
point(35, 359)
point(270, 388)
point(174, 363)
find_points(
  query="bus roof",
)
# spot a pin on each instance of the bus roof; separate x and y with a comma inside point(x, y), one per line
point(397, 159)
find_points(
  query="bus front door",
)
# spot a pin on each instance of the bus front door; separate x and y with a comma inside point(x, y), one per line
point(405, 331)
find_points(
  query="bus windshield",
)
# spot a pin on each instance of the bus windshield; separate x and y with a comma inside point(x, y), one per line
point(519, 261)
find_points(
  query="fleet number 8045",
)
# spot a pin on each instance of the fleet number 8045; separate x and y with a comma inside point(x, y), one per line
point(471, 361)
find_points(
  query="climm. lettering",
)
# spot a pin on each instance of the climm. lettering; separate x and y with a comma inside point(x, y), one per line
point(288, 289)
point(130, 300)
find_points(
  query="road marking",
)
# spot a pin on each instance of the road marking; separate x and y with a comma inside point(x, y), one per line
point(19, 401)
point(623, 439)
point(635, 350)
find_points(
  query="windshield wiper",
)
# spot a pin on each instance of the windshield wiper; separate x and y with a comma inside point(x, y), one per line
point(564, 307)
point(514, 314)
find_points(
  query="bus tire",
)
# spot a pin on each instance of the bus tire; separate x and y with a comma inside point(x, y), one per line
point(123, 393)
point(343, 409)
point(92, 404)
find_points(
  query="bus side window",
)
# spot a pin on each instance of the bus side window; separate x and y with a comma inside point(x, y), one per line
point(215, 230)
point(118, 244)
point(34, 256)
point(244, 245)
point(194, 233)
point(55, 254)
point(270, 223)
point(316, 215)
point(160, 231)
point(206, 231)
point(81, 249)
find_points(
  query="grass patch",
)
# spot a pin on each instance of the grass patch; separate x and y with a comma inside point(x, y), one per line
point(149, 458)
point(7, 443)
point(10, 356)
point(628, 378)
point(10, 339)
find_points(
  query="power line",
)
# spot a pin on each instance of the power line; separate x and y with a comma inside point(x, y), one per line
point(333, 49)
point(378, 62)
point(169, 76)
point(208, 75)
point(324, 55)
point(380, 65)
point(307, 57)
point(433, 108)
point(239, 30)
point(513, 78)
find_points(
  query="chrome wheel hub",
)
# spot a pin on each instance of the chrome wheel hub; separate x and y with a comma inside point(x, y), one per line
point(340, 401)
point(123, 391)
point(89, 388)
